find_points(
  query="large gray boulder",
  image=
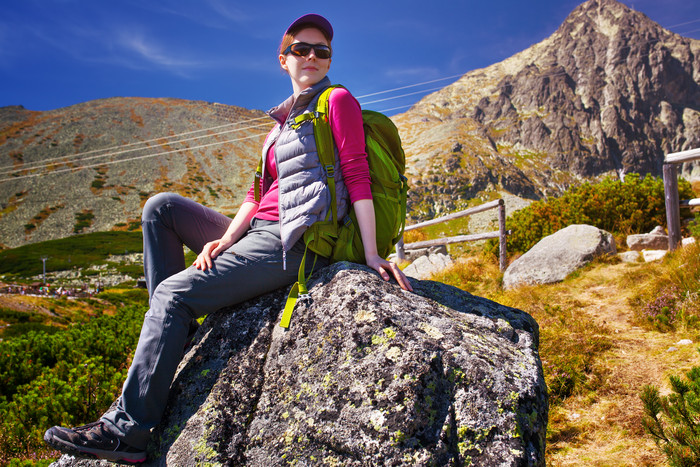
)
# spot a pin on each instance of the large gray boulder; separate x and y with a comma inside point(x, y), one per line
point(558, 255)
point(368, 374)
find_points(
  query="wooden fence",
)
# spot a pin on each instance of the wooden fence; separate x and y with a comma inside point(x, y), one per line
point(501, 233)
point(673, 211)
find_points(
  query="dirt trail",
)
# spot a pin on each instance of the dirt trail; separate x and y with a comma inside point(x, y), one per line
point(606, 427)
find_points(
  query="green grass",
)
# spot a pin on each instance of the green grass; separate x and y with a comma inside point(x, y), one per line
point(78, 251)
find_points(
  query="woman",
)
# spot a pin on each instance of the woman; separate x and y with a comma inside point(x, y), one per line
point(260, 250)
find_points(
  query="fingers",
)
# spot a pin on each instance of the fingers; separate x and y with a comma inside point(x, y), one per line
point(204, 259)
point(386, 269)
point(400, 277)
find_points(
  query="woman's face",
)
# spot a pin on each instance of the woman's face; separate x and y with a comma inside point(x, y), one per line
point(309, 70)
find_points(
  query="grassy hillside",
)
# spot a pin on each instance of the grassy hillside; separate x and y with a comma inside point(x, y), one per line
point(78, 251)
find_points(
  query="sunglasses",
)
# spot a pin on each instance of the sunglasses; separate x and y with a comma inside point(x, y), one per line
point(302, 49)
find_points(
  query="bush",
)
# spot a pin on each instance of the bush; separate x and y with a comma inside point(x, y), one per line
point(69, 377)
point(633, 206)
point(673, 420)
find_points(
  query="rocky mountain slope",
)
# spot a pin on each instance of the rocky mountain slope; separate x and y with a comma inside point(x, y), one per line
point(610, 92)
point(90, 167)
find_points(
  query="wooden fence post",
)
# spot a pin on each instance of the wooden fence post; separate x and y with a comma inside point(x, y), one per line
point(502, 261)
point(673, 213)
point(400, 253)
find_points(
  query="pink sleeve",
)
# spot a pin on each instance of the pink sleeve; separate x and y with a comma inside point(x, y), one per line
point(345, 118)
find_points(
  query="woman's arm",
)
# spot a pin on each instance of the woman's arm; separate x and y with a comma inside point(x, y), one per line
point(346, 123)
point(239, 225)
point(364, 210)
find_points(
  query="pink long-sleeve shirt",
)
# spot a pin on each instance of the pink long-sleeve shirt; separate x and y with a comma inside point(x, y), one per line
point(345, 118)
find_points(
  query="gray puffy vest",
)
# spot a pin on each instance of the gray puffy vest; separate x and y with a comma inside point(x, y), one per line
point(304, 197)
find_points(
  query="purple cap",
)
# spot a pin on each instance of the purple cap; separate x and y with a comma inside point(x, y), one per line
point(313, 20)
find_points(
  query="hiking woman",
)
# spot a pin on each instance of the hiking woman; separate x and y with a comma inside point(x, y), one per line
point(260, 250)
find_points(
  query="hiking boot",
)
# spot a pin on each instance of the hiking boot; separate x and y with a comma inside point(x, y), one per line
point(93, 441)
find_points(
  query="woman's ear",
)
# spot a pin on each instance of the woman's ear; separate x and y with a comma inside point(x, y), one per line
point(283, 62)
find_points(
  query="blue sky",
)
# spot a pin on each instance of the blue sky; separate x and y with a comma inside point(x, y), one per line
point(56, 53)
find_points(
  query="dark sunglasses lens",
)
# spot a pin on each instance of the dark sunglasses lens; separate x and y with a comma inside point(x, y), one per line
point(300, 49)
point(322, 51)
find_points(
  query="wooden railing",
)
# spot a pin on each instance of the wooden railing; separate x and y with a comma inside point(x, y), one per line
point(673, 211)
point(501, 233)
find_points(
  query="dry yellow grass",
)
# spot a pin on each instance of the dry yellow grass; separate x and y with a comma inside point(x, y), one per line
point(599, 424)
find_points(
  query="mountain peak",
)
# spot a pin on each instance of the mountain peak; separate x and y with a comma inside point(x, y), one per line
point(609, 92)
point(609, 18)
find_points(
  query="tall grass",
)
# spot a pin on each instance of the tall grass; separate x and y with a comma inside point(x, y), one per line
point(670, 298)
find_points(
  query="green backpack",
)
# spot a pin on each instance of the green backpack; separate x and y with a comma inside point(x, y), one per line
point(387, 163)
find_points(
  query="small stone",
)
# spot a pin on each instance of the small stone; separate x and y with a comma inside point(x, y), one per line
point(653, 255)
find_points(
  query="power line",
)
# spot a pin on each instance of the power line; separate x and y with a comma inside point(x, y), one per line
point(46, 163)
point(402, 95)
point(62, 160)
point(158, 140)
point(410, 86)
point(683, 24)
point(145, 156)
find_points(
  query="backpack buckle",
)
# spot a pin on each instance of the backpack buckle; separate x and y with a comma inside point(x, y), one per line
point(330, 171)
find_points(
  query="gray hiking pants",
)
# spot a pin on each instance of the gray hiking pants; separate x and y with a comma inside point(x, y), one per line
point(178, 295)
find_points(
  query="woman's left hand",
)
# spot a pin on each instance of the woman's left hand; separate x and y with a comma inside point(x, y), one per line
point(384, 267)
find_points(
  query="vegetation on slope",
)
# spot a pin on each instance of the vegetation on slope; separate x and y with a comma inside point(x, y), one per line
point(66, 377)
point(635, 205)
point(604, 334)
point(68, 253)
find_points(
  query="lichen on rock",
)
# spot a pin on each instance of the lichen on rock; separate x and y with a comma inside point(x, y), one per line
point(367, 374)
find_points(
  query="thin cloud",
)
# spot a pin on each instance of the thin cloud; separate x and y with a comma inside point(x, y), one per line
point(153, 53)
point(229, 11)
point(213, 14)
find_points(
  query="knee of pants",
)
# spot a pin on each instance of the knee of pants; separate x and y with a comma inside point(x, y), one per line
point(154, 204)
point(167, 302)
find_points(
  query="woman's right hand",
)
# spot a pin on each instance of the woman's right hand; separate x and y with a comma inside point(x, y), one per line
point(210, 251)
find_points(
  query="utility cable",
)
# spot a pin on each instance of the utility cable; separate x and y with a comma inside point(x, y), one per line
point(145, 156)
point(61, 160)
point(46, 163)
point(158, 140)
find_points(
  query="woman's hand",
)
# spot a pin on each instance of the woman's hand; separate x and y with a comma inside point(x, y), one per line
point(384, 267)
point(210, 251)
point(235, 230)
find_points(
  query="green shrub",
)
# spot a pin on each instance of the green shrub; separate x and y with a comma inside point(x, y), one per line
point(633, 206)
point(69, 377)
point(673, 420)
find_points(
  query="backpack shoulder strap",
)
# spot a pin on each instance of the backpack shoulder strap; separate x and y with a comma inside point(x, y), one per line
point(326, 154)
